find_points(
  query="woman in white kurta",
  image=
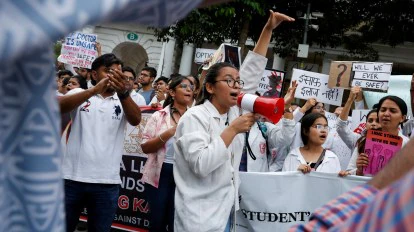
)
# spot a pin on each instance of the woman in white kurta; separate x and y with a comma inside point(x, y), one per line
point(312, 156)
point(210, 140)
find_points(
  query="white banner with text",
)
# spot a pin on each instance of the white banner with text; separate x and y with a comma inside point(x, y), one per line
point(276, 201)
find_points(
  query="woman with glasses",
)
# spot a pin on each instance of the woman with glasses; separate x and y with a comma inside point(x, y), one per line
point(312, 156)
point(158, 143)
point(210, 139)
point(311, 106)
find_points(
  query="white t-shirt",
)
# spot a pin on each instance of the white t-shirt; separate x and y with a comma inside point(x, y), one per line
point(330, 163)
point(138, 98)
point(94, 149)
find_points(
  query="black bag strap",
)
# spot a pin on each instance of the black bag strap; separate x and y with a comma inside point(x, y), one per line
point(320, 159)
point(249, 150)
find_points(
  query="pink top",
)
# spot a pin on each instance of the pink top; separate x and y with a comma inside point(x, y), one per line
point(157, 124)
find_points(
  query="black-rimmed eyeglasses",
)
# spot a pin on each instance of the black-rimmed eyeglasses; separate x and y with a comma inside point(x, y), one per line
point(232, 83)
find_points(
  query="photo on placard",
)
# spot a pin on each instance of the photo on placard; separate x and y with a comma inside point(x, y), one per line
point(271, 83)
point(232, 55)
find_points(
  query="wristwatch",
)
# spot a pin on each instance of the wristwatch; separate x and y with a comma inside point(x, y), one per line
point(123, 95)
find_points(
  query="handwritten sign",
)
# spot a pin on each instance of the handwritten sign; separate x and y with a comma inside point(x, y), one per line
point(202, 54)
point(331, 120)
point(79, 50)
point(340, 74)
point(315, 85)
point(380, 147)
point(359, 118)
point(371, 75)
point(271, 83)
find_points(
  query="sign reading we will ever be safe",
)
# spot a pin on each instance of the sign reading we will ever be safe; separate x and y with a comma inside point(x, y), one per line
point(79, 50)
point(371, 75)
point(315, 85)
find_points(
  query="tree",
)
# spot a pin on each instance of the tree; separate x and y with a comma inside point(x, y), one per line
point(353, 24)
point(216, 24)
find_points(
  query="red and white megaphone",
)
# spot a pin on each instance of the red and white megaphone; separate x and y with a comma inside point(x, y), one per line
point(271, 108)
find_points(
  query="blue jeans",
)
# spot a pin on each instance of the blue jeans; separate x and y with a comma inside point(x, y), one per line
point(161, 201)
point(101, 201)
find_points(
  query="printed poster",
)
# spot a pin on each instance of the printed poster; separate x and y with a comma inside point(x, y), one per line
point(380, 147)
point(271, 83)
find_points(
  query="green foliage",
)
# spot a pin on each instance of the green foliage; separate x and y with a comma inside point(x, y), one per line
point(385, 21)
point(56, 48)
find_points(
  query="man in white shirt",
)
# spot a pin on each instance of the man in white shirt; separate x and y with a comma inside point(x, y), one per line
point(93, 152)
point(131, 78)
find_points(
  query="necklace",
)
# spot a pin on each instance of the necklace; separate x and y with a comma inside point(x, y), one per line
point(174, 110)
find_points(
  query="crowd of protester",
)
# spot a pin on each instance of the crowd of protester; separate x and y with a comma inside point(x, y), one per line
point(199, 140)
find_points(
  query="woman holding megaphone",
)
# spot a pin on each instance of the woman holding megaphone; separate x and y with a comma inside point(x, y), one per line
point(210, 139)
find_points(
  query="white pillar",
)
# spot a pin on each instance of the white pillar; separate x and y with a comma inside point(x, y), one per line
point(168, 58)
point(161, 62)
point(278, 62)
point(186, 59)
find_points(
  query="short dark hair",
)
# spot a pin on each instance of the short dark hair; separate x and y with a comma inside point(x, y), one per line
point(82, 81)
point(162, 78)
point(129, 69)
point(151, 70)
point(64, 72)
point(371, 112)
point(105, 60)
point(211, 76)
point(307, 122)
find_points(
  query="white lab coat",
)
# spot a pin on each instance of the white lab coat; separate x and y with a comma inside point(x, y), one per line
point(347, 135)
point(205, 170)
point(279, 138)
point(330, 163)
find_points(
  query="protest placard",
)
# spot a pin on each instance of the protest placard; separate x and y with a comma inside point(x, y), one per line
point(380, 147)
point(226, 53)
point(79, 50)
point(315, 85)
point(370, 75)
point(271, 83)
point(331, 120)
point(359, 118)
point(202, 54)
point(340, 74)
